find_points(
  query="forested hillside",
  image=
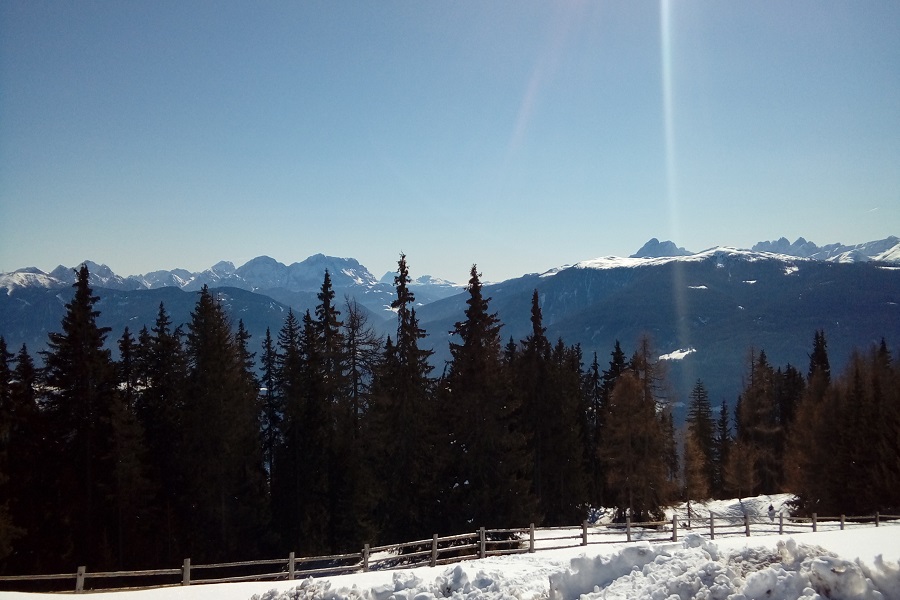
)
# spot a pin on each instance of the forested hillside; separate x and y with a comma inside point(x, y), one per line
point(203, 441)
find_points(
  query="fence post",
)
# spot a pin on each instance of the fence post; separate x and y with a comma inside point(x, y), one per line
point(186, 572)
point(674, 528)
point(842, 522)
point(628, 528)
point(747, 524)
point(365, 557)
point(814, 522)
point(781, 524)
point(531, 539)
point(291, 564)
point(712, 526)
point(482, 544)
point(584, 533)
point(434, 550)
point(79, 580)
point(877, 518)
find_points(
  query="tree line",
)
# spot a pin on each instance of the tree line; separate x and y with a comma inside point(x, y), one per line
point(330, 436)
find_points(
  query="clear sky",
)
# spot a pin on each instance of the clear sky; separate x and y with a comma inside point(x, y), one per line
point(516, 135)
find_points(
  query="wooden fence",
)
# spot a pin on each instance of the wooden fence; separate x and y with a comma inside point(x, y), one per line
point(444, 550)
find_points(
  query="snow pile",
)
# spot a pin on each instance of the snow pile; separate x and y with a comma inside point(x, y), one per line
point(693, 568)
point(700, 570)
point(454, 583)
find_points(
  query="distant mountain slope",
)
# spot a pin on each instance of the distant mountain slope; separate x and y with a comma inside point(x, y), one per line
point(719, 303)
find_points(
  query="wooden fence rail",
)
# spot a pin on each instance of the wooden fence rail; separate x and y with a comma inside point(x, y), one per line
point(456, 548)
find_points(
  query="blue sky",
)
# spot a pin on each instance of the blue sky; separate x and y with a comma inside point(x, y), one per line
point(516, 135)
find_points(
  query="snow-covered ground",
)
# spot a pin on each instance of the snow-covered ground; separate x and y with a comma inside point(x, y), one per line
point(858, 563)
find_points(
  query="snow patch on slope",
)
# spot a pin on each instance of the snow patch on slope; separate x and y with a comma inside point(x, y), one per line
point(677, 354)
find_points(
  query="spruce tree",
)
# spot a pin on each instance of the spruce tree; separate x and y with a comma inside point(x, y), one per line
point(490, 464)
point(79, 393)
point(534, 377)
point(700, 432)
point(405, 442)
point(595, 418)
point(818, 359)
point(271, 412)
point(131, 494)
point(313, 424)
point(224, 458)
point(565, 490)
point(722, 445)
point(617, 366)
point(361, 349)
point(328, 328)
point(759, 429)
point(28, 481)
point(161, 367)
point(9, 531)
point(287, 401)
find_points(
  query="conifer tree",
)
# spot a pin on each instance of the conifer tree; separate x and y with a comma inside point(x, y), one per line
point(224, 458)
point(818, 359)
point(405, 449)
point(328, 328)
point(740, 476)
point(617, 366)
point(565, 491)
point(342, 464)
point(595, 418)
point(161, 365)
point(700, 433)
point(79, 394)
point(287, 460)
point(534, 376)
point(23, 435)
point(271, 411)
point(638, 443)
point(884, 390)
point(759, 429)
point(857, 413)
point(9, 532)
point(696, 483)
point(722, 445)
point(311, 421)
point(633, 452)
point(490, 461)
point(789, 387)
point(361, 349)
point(131, 495)
point(300, 483)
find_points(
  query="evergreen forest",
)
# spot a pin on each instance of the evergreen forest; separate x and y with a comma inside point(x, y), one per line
point(201, 442)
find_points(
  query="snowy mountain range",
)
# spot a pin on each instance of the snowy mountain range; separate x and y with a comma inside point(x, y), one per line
point(264, 273)
point(703, 310)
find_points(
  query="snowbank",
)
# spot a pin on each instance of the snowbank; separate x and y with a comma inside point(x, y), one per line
point(860, 564)
point(701, 569)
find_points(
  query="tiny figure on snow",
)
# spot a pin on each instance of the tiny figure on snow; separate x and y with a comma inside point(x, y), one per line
point(771, 513)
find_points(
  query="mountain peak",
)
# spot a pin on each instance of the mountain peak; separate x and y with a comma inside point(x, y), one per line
point(656, 249)
point(883, 250)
